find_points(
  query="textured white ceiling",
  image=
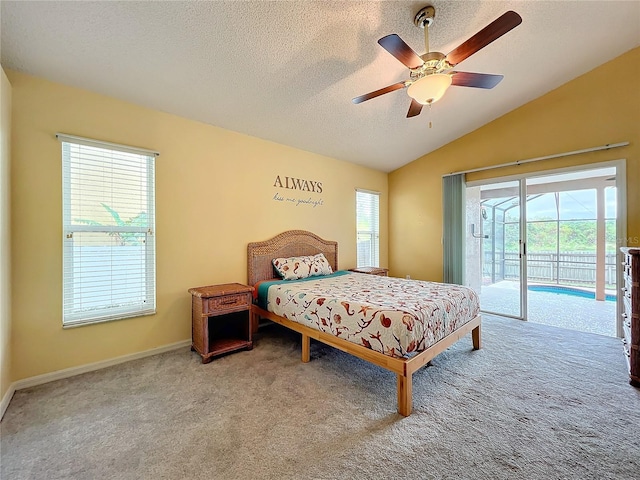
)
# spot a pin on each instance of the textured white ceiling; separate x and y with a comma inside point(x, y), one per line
point(286, 71)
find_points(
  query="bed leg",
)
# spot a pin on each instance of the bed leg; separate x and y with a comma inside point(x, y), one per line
point(405, 395)
point(475, 337)
point(306, 348)
point(255, 322)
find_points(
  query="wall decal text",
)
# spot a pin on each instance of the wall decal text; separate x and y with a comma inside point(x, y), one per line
point(298, 184)
point(291, 183)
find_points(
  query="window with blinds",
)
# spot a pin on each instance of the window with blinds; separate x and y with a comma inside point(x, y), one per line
point(108, 231)
point(368, 228)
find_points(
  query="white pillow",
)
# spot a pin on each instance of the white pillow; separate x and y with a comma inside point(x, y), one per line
point(293, 268)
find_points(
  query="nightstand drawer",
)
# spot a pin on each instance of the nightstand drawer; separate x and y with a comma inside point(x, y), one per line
point(227, 302)
point(626, 327)
point(381, 272)
point(626, 307)
point(626, 348)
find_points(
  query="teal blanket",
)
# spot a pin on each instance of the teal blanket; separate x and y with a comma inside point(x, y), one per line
point(263, 288)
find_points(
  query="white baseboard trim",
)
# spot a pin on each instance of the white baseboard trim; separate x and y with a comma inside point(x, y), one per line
point(6, 399)
point(90, 367)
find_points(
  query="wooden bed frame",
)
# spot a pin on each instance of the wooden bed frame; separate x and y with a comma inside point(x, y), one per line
point(295, 243)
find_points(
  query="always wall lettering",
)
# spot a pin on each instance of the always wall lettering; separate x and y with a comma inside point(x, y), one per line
point(297, 191)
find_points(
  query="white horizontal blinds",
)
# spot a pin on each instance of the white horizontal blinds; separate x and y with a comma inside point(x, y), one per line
point(368, 228)
point(108, 226)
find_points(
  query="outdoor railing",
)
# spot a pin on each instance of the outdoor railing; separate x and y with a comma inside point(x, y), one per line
point(568, 268)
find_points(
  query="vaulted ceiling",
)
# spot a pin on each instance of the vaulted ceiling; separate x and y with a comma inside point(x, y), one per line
point(286, 71)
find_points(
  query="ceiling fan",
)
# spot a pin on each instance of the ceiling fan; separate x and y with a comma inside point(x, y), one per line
point(431, 74)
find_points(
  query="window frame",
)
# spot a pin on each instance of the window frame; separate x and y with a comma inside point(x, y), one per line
point(373, 203)
point(71, 318)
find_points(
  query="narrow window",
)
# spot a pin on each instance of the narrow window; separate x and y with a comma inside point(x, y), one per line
point(368, 228)
point(108, 231)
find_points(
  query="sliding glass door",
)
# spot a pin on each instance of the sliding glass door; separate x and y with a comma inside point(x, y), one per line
point(544, 247)
point(571, 250)
point(495, 257)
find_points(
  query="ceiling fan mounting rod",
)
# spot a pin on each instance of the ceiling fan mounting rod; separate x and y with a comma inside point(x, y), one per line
point(426, 39)
point(423, 19)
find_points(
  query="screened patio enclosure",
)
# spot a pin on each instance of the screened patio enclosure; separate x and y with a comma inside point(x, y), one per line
point(570, 248)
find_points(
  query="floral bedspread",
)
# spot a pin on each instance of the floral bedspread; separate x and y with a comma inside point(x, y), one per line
point(394, 316)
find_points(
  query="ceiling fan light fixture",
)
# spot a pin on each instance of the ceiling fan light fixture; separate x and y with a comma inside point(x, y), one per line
point(429, 89)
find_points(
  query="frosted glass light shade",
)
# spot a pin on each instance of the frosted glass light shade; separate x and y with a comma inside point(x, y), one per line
point(429, 89)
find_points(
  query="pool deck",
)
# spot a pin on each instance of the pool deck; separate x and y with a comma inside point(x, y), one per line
point(549, 308)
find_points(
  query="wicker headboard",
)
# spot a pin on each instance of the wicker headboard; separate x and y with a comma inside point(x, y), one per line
point(293, 243)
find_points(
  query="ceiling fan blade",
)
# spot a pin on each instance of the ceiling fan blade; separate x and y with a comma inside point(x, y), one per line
point(414, 109)
point(478, 80)
point(484, 37)
point(403, 52)
point(377, 93)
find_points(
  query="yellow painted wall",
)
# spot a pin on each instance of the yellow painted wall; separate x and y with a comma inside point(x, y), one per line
point(600, 107)
point(214, 194)
point(5, 240)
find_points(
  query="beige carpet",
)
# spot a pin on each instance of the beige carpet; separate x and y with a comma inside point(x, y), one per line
point(535, 403)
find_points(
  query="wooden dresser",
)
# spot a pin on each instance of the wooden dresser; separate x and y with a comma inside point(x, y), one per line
point(631, 312)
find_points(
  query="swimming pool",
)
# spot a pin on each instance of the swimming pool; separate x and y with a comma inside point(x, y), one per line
point(562, 290)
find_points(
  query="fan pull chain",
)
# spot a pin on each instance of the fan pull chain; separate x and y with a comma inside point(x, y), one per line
point(430, 125)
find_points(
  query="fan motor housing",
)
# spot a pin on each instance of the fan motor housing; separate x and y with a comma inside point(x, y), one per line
point(434, 62)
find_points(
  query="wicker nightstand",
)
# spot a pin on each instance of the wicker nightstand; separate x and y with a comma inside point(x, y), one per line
point(220, 319)
point(382, 272)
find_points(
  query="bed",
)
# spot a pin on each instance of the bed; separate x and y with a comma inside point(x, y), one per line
point(388, 328)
